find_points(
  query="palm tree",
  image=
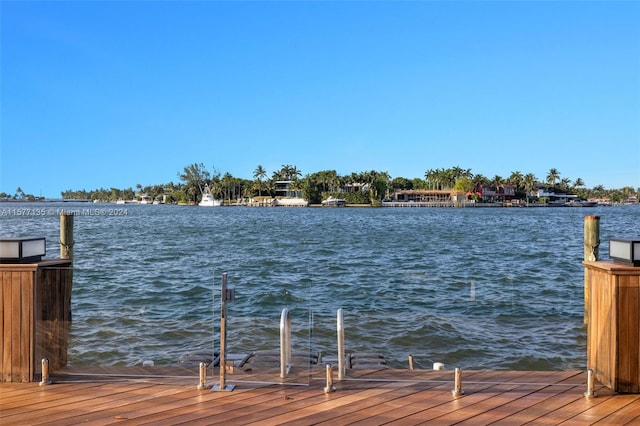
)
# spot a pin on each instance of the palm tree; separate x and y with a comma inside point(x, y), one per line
point(295, 173)
point(565, 184)
point(378, 183)
point(287, 172)
point(497, 181)
point(480, 180)
point(599, 191)
point(431, 177)
point(446, 178)
point(296, 187)
point(578, 186)
point(552, 177)
point(439, 178)
point(328, 180)
point(227, 183)
point(333, 180)
point(259, 173)
point(516, 179)
point(529, 182)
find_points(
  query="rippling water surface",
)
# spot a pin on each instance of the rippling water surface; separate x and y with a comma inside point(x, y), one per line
point(483, 288)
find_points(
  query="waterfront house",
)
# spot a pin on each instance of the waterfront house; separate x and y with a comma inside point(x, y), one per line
point(424, 195)
point(500, 193)
point(286, 189)
point(287, 195)
point(556, 199)
point(355, 187)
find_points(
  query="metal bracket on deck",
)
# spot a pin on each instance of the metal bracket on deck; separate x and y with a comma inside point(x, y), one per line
point(329, 387)
point(457, 387)
point(590, 393)
point(202, 384)
point(45, 373)
point(226, 388)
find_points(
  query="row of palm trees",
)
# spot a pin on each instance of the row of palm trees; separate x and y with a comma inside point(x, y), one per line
point(314, 187)
point(448, 178)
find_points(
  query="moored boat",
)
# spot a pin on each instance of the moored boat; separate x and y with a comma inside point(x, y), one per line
point(581, 203)
point(208, 200)
point(334, 202)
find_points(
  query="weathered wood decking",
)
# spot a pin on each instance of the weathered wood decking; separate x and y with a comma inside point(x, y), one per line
point(367, 397)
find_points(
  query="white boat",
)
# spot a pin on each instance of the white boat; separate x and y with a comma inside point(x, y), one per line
point(334, 202)
point(207, 198)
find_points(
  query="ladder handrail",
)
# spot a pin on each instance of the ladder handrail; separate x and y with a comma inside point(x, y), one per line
point(285, 343)
point(340, 332)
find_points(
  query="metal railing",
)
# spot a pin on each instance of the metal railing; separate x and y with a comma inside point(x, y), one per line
point(340, 332)
point(285, 343)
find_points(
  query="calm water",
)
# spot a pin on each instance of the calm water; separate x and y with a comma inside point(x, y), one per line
point(473, 288)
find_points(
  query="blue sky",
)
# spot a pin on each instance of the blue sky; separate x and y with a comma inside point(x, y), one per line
point(116, 93)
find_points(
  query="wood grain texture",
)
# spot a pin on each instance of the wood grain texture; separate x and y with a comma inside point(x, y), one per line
point(367, 397)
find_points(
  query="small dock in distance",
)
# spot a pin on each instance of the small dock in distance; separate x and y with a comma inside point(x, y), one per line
point(167, 396)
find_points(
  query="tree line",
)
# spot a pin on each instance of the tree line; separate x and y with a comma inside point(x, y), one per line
point(368, 187)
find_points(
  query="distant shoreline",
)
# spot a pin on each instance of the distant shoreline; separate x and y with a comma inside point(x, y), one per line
point(400, 205)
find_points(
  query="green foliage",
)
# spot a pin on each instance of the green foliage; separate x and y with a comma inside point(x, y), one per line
point(195, 176)
point(446, 178)
point(418, 183)
point(401, 183)
point(464, 184)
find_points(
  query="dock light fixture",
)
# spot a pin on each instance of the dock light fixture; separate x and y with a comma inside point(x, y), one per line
point(22, 250)
point(626, 251)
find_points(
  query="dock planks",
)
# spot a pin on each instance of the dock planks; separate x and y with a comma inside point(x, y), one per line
point(366, 397)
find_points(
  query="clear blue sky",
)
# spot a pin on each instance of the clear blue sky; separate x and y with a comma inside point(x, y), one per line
point(116, 93)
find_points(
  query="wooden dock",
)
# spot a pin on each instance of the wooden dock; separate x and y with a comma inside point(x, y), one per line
point(136, 396)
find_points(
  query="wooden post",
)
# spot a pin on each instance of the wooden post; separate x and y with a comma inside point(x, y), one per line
point(591, 238)
point(66, 236)
point(591, 245)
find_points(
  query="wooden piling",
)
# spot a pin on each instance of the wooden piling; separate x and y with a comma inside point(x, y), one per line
point(591, 238)
point(66, 236)
point(591, 245)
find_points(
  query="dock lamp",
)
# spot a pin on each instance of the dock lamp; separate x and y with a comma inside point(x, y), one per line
point(626, 251)
point(22, 250)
